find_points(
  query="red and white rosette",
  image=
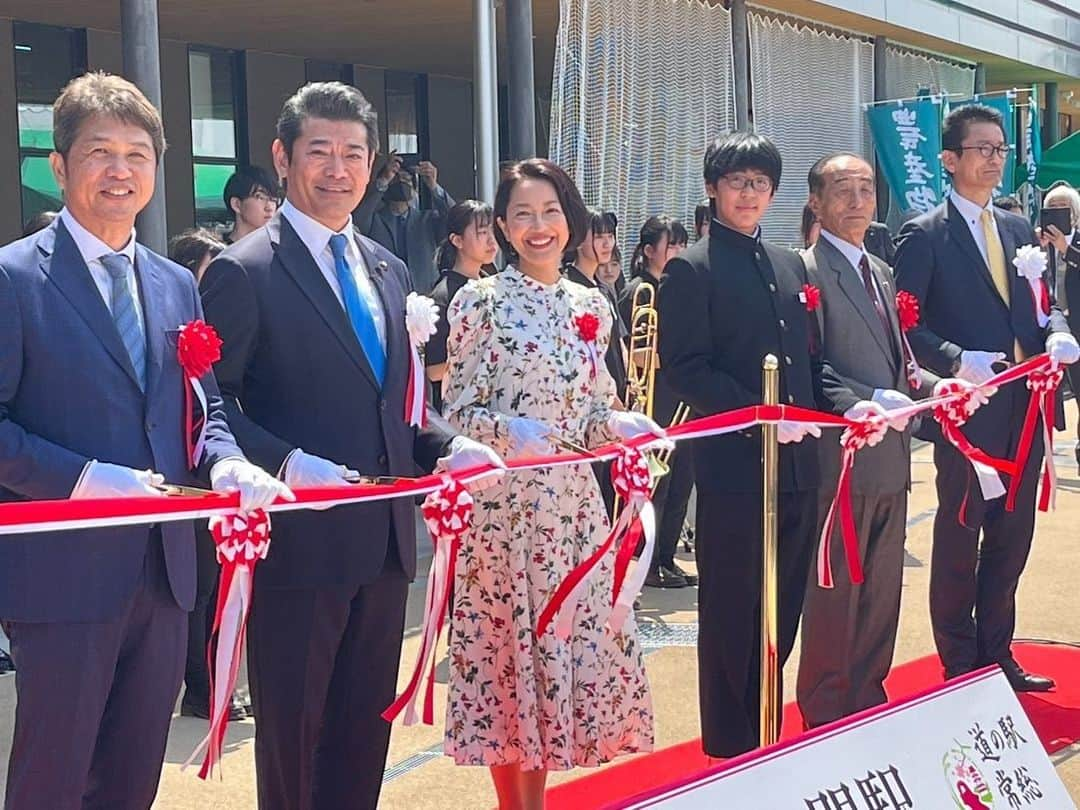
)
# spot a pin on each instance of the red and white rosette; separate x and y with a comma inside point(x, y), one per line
point(588, 327)
point(421, 318)
point(1030, 263)
point(854, 438)
point(633, 483)
point(241, 542)
point(198, 347)
point(907, 311)
point(1043, 384)
point(448, 513)
point(957, 403)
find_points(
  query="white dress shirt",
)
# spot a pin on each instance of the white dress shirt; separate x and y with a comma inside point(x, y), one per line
point(92, 249)
point(316, 237)
point(853, 253)
point(972, 214)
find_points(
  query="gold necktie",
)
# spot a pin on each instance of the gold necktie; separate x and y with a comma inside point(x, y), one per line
point(995, 256)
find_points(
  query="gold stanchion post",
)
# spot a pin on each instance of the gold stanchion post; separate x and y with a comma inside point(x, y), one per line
point(770, 674)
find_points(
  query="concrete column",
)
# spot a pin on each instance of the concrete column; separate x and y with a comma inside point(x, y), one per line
point(881, 93)
point(1052, 133)
point(519, 49)
point(142, 65)
point(980, 78)
point(11, 214)
point(740, 49)
point(485, 100)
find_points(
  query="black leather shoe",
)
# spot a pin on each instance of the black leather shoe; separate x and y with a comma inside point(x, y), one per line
point(6, 664)
point(664, 578)
point(201, 709)
point(1022, 681)
point(676, 570)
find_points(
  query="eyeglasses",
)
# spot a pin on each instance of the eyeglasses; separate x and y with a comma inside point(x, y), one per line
point(758, 182)
point(988, 150)
point(264, 198)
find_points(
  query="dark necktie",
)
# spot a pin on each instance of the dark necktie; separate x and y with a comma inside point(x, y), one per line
point(124, 315)
point(871, 290)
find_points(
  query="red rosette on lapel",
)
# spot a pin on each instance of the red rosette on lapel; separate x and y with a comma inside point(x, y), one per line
point(907, 311)
point(198, 347)
point(810, 298)
point(241, 542)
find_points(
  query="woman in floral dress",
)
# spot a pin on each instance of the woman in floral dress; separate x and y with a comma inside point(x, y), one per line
point(521, 370)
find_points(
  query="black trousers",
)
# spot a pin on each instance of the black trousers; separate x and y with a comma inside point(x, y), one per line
point(323, 666)
point(201, 620)
point(95, 700)
point(728, 547)
point(976, 566)
point(670, 500)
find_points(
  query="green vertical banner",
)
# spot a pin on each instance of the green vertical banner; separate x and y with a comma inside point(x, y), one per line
point(1004, 104)
point(1033, 153)
point(907, 137)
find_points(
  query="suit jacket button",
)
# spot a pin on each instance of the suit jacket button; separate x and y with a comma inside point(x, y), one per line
point(787, 359)
point(791, 399)
point(382, 460)
point(783, 324)
point(772, 287)
point(382, 404)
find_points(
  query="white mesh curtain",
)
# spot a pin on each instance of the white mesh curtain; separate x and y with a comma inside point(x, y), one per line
point(808, 88)
point(640, 87)
point(907, 72)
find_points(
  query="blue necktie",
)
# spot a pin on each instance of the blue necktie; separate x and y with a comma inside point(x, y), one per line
point(357, 309)
point(124, 314)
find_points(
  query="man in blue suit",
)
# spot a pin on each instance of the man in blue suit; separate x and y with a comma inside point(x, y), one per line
point(313, 375)
point(91, 405)
point(977, 315)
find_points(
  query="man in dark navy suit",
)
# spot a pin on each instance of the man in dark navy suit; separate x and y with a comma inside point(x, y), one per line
point(978, 315)
point(314, 373)
point(91, 406)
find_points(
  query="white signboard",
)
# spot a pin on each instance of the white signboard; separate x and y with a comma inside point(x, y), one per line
point(967, 745)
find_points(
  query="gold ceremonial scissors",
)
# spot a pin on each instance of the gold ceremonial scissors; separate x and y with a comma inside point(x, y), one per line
point(177, 489)
point(377, 480)
point(566, 444)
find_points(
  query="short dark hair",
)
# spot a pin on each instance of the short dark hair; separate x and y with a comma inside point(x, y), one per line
point(1007, 203)
point(246, 181)
point(104, 94)
point(815, 178)
point(597, 222)
point(458, 220)
point(333, 101)
point(189, 248)
point(955, 128)
point(742, 150)
point(565, 189)
point(39, 222)
point(702, 214)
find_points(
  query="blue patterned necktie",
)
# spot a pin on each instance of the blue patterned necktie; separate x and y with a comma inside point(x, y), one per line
point(124, 314)
point(359, 313)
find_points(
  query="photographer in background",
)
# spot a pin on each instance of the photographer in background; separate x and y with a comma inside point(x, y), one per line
point(390, 215)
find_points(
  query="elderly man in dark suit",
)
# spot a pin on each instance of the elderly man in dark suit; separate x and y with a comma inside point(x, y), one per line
point(313, 373)
point(91, 406)
point(977, 315)
point(849, 631)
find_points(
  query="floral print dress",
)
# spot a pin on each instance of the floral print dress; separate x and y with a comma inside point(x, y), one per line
point(515, 350)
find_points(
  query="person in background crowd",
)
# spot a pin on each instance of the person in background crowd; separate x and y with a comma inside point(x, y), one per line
point(38, 222)
point(97, 618)
point(611, 274)
point(313, 372)
point(724, 304)
point(465, 254)
point(879, 242)
point(195, 249)
point(251, 197)
point(1066, 253)
point(849, 630)
point(1010, 204)
point(702, 217)
point(388, 213)
point(976, 317)
point(810, 228)
point(519, 374)
point(661, 239)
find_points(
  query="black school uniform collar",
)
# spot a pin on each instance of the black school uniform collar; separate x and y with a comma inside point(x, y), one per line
point(720, 232)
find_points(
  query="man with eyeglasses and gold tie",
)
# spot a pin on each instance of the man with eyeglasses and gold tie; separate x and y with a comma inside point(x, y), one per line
point(977, 316)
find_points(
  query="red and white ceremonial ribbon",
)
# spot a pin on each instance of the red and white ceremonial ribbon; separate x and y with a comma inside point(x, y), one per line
point(241, 542)
point(853, 439)
point(956, 405)
point(907, 310)
point(421, 319)
point(447, 513)
point(198, 347)
point(633, 483)
point(1043, 384)
point(1030, 262)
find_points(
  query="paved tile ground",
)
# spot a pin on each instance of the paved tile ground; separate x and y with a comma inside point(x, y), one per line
point(419, 777)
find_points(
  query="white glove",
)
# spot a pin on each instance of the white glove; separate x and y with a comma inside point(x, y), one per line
point(258, 489)
point(892, 400)
point(866, 409)
point(976, 367)
point(794, 432)
point(466, 453)
point(1063, 349)
point(102, 480)
point(980, 397)
point(305, 470)
point(529, 437)
point(628, 424)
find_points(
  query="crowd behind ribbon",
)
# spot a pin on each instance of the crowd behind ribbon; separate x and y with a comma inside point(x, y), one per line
point(531, 354)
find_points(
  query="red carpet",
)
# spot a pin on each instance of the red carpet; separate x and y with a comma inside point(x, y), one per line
point(1055, 716)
